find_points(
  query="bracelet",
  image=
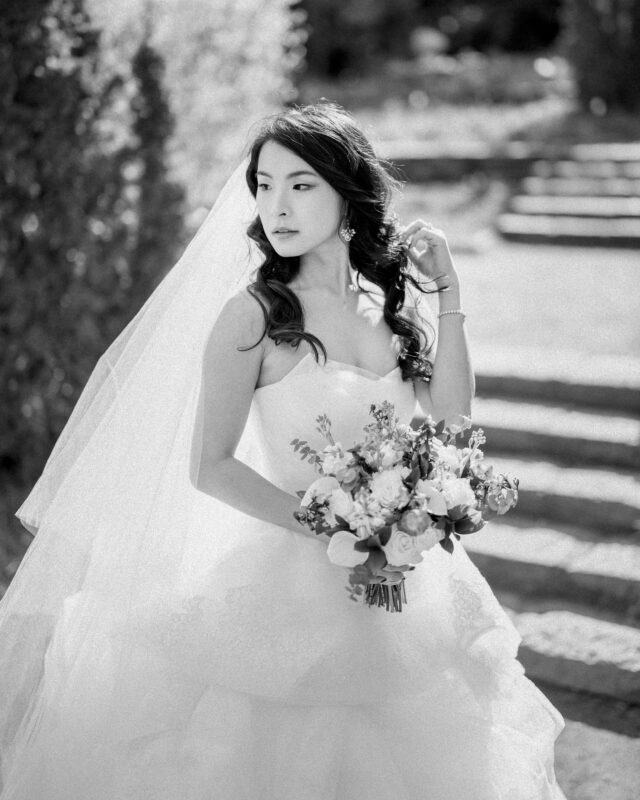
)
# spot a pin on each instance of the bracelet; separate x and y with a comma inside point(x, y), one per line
point(453, 311)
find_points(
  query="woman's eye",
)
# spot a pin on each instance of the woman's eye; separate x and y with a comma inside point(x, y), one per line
point(306, 185)
point(263, 186)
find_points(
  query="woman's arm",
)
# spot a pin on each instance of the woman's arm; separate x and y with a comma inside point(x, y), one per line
point(229, 378)
point(235, 483)
point(451, 389)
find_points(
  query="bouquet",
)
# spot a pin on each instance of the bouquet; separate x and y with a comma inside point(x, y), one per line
point(396, 494)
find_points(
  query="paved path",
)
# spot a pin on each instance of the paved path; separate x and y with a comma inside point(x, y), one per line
point(598, 752)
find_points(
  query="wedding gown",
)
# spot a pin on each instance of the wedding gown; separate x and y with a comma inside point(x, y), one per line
point(261, 679)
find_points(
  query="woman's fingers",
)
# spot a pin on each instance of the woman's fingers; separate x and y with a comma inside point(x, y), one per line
point(416, 225)
point(420, 236)
point(419, 229)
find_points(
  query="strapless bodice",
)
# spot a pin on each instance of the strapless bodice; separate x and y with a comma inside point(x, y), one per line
point(288, 409)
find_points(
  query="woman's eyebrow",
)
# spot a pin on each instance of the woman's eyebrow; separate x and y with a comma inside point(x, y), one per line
point(291, 175)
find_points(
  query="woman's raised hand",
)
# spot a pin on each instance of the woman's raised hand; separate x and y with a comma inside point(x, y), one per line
point(428, 249)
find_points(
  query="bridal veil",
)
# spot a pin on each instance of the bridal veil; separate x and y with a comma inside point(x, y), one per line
point(112, 506)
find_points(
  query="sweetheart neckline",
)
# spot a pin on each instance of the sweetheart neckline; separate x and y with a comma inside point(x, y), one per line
point(366, 373)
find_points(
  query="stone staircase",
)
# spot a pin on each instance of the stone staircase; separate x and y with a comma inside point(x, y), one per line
point(588, 196)
point(565, 563)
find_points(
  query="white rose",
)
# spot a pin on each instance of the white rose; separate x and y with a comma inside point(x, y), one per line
point(341, 550)
point(320, 490)
point(415, 521)
point(388, 489)
point(403, 548)
point(428, 538)
point(457, 492)
point(435, 502)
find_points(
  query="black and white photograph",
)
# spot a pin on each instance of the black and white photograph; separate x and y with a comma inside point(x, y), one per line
point(320, 400)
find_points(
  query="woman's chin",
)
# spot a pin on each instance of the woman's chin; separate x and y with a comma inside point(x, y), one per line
point(287, 250)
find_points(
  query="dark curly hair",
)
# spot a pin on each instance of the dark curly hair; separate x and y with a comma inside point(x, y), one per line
point(326, 137)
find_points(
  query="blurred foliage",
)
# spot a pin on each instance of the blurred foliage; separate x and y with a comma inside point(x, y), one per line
point(602, 40)
point(348, 37)
point(351, 35)
point(434, 80)
point(513, 26)
point(229, 63)
point(107, 110)
point(90, 218)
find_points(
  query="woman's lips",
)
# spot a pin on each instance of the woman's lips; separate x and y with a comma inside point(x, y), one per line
point(285, 234)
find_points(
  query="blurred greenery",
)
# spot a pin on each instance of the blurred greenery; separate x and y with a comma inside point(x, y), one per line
point(90, 217)
point(94, 200)
point(461, 52)
point(228, 64)
point(601, 39)
point(348, 37)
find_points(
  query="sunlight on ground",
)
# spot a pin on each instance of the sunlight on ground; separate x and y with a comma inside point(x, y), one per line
point(555, 298)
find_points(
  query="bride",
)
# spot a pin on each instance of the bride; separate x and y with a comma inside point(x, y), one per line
point(173, 632)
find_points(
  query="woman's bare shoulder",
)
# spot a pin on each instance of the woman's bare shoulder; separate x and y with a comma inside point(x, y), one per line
point(245, 310)
point(240, 323)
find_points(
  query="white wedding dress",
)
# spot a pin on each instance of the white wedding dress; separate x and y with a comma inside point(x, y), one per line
point(259, 678)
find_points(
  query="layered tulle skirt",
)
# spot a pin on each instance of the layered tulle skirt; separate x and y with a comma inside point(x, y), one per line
point(257, 677)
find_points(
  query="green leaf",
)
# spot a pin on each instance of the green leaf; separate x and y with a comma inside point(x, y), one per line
point(458, 512)
point(384, 534)
point(447, 545)
point(467, 526)
point(376, 561)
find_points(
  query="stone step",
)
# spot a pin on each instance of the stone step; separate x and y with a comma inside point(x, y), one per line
point(582, 187)
point(559, 377)
point(560, 562)
point(600, 499)
point(586, 168)
point(605, 151)
point(570, 648)
point(597, 755)
point(562, 433)
point(600, 232)
point(601, 207)
point(622, 399)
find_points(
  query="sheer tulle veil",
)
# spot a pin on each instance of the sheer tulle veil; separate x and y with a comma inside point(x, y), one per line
point(112, 507)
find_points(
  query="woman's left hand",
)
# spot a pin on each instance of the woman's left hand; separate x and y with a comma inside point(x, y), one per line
point(428, 248)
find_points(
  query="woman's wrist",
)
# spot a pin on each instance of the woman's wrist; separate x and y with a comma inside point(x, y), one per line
point(450, 299)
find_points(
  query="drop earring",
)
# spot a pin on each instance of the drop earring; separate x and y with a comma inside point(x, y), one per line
point(346, 233)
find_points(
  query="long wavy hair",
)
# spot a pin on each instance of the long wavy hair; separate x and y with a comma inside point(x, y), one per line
point(326, 137)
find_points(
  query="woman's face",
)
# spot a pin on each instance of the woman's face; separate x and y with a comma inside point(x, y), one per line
point(292, 196)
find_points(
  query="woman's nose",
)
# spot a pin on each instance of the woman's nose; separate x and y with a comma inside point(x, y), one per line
point(280, 203)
